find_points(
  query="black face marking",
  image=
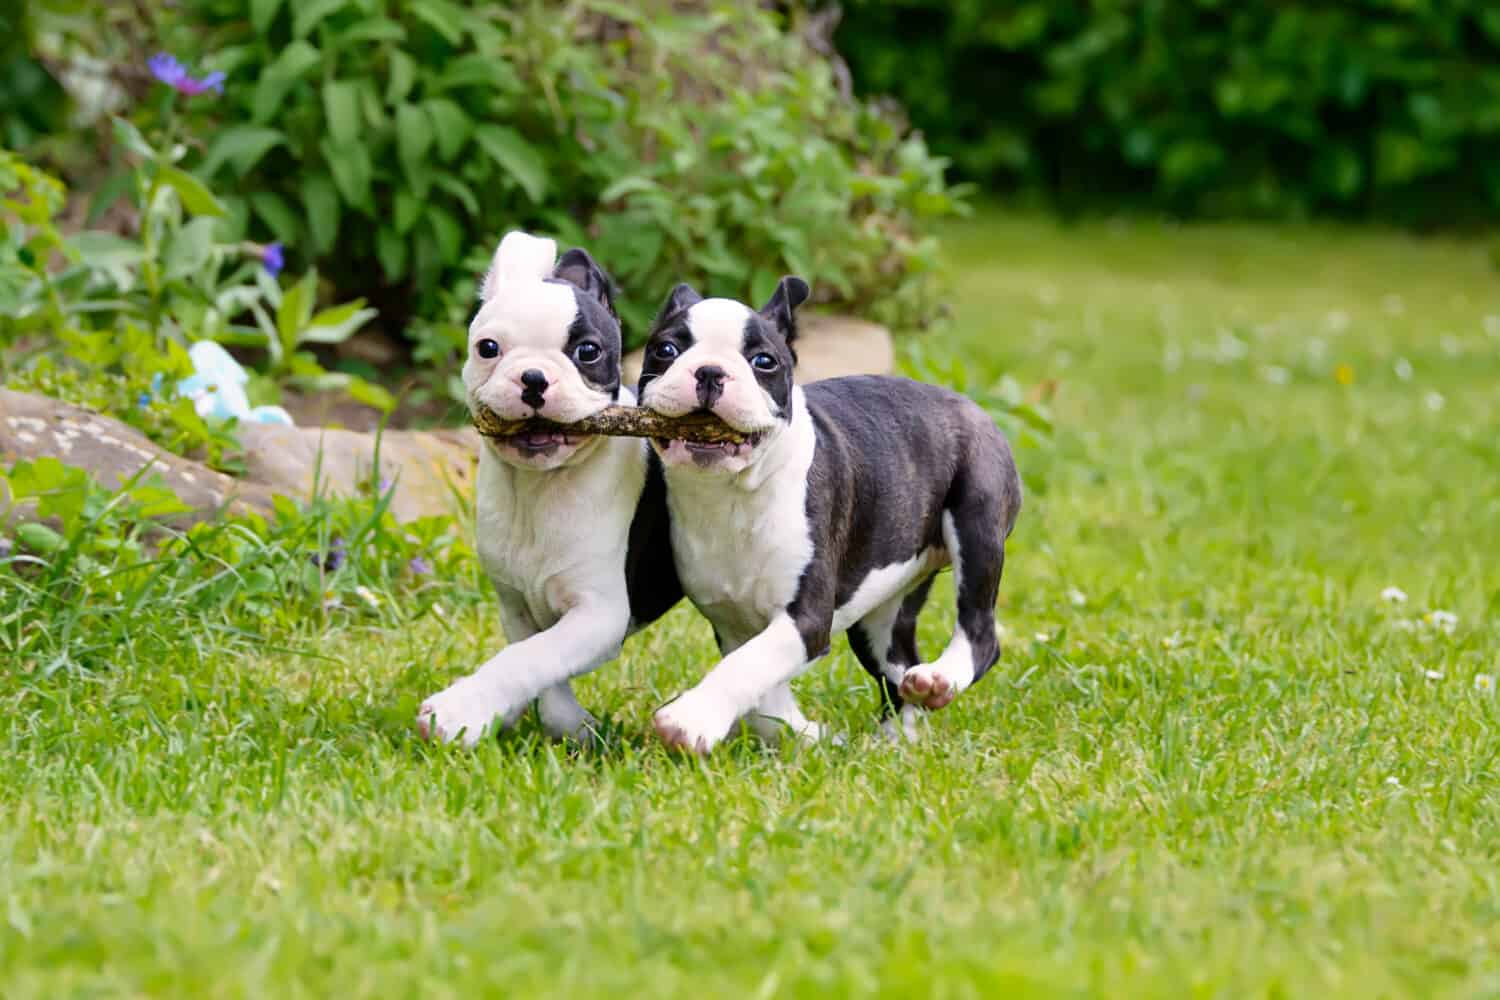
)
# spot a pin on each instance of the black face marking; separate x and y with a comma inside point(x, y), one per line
point(594, 343)
point(670, 336)
point(762, 342)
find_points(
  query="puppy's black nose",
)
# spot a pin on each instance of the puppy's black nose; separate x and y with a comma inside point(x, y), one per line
point(535, 383)
point(710, 384)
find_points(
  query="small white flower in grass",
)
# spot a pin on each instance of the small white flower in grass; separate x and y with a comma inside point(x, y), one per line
point(1171, 641)
point(1447, 621)
point(1393, 781)
point(1433, 675)
point(1076, 597)
point(1484, 683)
point(1404, 625)
point(331, 600)
point(367, 595)
point(1043, 637)
point(1434, 401)
point(1393, 595)
point(1275, 374)
point(1403, 369)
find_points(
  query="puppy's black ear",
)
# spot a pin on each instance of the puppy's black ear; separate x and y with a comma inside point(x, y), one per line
point(577, 268)
point(684, 296)
point(781, 310)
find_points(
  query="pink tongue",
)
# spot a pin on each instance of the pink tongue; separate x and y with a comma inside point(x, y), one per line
point(542, 438)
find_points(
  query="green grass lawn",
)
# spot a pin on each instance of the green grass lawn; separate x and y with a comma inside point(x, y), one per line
point(1212, 760)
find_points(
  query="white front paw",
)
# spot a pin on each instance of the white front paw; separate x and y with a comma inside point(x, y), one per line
point(693, 722)
point(464, 711)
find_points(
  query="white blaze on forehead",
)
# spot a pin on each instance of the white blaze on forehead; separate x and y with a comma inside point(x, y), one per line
point(528, 314)
point(719, 324)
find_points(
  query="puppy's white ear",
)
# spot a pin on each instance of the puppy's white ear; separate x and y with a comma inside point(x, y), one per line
point(519, 257)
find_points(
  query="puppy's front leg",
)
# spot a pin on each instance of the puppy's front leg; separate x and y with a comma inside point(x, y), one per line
point(587, 635)
point(699, 719)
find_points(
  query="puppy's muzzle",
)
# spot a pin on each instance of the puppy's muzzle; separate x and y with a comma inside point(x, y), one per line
point(710, 384)
point(533, 388)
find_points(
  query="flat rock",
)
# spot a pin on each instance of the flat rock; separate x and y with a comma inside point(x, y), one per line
point(827, 347)
point(33, 426)
point(431, 472)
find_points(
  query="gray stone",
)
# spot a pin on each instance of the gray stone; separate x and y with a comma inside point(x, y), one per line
point(432, 472)
point(827, 347)
point(32, 426)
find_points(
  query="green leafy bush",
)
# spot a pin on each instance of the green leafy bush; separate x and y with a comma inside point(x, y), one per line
point(389, 141)
point(104, 321)
point(1385, 109)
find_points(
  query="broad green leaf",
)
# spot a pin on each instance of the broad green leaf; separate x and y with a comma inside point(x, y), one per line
point(196, 197)
point(413, 140)
point(189, 249)
point(627, 185)
point(155, 499)
point(352, 172)
point(516, 157)
point(104, 251)
point(390, 248)
point(401, 75)
point(459, 190)
point(295, 61)
point(241, 146)
point(40, 539)
point(278, 216)
point(321, 202)
point(341, 106)
point(370, 394)
point(482, 71)
point(306, 14)
point(450, 126)
point(408, 210)
point(127, 135)
point(445, 18)
point(295, 310)
point(262, 12)
point(336, 325)
point(446, 231)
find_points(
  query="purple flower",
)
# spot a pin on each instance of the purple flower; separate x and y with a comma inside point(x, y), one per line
point(419, 566)
point(331, 560)
point(168, 70)
point(271, 256)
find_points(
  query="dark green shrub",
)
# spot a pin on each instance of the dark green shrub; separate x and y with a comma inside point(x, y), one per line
point(1381, 108)
point(388, 141)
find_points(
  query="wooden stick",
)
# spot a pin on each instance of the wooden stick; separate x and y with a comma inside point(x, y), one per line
point(618, 421)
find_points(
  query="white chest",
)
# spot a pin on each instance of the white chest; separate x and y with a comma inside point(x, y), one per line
point(545, 538)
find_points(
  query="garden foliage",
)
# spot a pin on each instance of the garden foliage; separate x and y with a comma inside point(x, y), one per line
point(388, 142)
point(1385, 109)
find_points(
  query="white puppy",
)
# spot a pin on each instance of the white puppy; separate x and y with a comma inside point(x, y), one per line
point(572, 529)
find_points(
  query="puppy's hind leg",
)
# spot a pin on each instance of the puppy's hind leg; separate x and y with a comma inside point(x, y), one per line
point(885, 643)
point(562, 717)
point(978, 556)
point(778, 715)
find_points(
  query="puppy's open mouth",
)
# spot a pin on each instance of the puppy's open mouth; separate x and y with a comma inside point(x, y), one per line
point(540, 440)
point(710, 452)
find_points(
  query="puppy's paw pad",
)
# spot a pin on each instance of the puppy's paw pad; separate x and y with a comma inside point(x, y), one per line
point(927, 686)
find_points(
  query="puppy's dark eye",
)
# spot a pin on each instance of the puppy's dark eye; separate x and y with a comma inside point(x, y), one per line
point(587, 353)
point(763, 363)
point(665, 351)
point(487, 348)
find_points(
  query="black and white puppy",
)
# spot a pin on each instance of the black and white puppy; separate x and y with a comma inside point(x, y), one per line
point(848, 497)
point(572, 529)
